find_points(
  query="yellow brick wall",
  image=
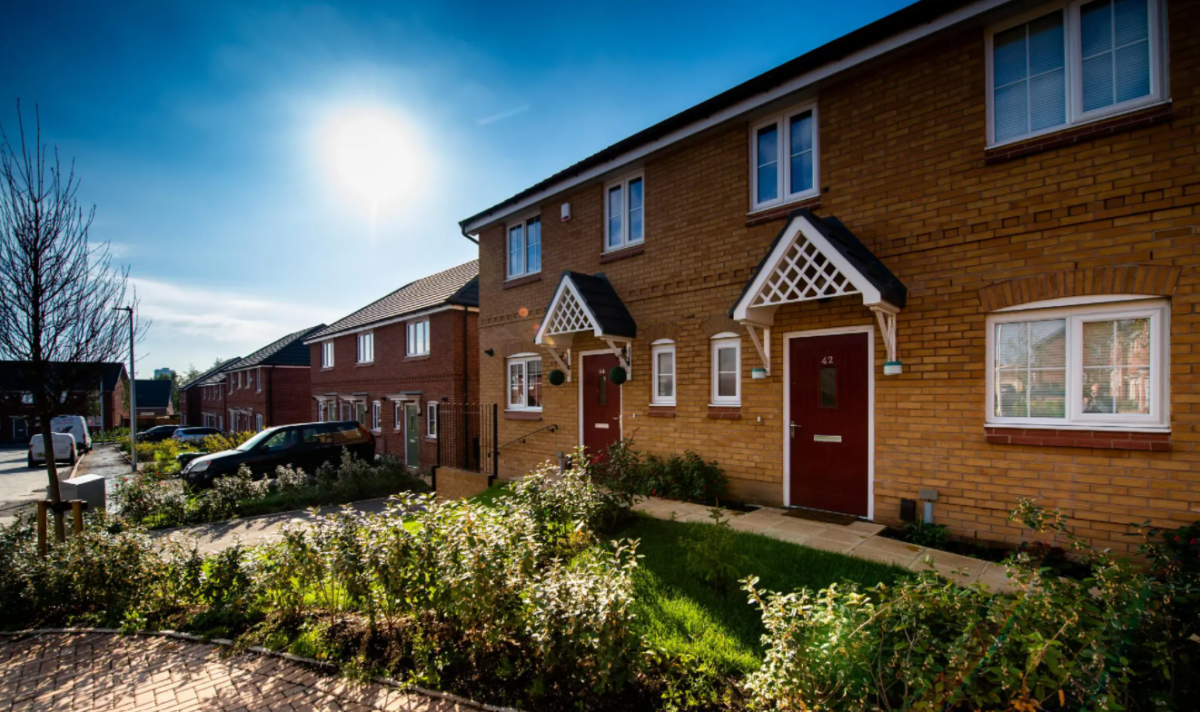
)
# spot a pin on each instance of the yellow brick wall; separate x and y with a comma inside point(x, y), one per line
point(903, 166)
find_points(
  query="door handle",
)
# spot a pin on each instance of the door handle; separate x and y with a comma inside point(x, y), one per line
point(793, 427)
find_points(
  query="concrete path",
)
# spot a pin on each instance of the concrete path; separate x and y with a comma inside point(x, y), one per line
point(257, 530)
point(101, 671)
point(859, 539)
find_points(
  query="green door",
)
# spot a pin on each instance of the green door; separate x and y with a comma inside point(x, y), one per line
point(412, 446)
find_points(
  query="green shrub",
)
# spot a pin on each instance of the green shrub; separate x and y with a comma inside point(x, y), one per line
point(225, 441)
point(686, 477)
point(933, 536)
point(711, 553)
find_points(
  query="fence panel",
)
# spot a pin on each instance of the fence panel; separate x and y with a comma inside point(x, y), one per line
point(466, 435)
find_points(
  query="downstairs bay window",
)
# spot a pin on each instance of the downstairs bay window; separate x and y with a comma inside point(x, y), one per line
point(1097, 366)
point(525, 382)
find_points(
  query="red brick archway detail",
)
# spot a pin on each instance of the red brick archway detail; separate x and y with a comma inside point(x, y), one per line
point(1150, 280)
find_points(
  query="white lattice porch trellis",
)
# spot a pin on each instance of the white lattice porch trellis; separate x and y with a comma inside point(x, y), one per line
point(569, 315)
point(803, 274)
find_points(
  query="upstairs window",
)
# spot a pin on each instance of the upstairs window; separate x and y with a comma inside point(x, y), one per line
point(366, 347)
point(525, 382)
point(1094, 366)
point(783, 151)
point(624, 207)
point(327, 354)
point(525, 247)
point(258, 382)
point(418, 337)
point(1078, 62)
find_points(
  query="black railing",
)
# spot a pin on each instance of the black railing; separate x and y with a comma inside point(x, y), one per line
point(551, 428)
point(466, 437)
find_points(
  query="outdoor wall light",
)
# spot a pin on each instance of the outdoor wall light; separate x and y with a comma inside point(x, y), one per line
point(490, 352)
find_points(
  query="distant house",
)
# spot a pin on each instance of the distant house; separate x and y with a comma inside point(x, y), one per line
point(191, 394)
point(17, 419)
point(392, 363)
point(164, 373)
point(267, 388)
point(154, 398)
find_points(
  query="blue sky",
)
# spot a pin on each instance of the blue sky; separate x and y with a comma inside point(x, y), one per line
point(202, 130)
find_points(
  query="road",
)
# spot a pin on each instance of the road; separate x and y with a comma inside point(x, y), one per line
point(20, 486)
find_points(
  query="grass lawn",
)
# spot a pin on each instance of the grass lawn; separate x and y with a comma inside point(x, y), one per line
point(680, 614)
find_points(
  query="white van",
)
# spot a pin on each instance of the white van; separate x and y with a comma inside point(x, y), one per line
point(64, 449)
point(75, 425)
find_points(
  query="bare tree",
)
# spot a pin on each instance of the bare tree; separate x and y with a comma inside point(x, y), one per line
point(57, 291)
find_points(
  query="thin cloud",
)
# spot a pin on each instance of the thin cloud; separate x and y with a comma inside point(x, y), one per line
point(503, 115)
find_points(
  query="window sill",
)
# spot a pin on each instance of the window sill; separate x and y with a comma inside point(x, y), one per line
point(1095, 439)
point(326, 368)
point(1081, 133)
point(364, 365)
point(420, 357)
point(518, 281)
point(724, 412)
point(522, 415)
point(775, 212)
point(662, 411)
point(614, 255)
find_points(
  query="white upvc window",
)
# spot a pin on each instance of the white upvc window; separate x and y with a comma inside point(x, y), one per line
point(418, 337)
point(1069, 63)
point(376, 416)
point(366, 347)
point(726, 369)
point(431, 419)
point(525, 382)
point(525, 247)
point(397, 415)
point(346, 412)
point(327, 354)
point(258, 422)
point(230, 379)
point(662, 353)
point(624, 213)
point(258, 382)
point(784, 158)
point(1091, 367)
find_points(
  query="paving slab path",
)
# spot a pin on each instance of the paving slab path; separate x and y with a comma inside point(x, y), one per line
point(105, 671)
point(861, 539)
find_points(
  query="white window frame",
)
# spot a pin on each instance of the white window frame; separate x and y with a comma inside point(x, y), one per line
point(623, 183)
point(523, 360)
point(1073, 64)
point(258, 422)
point(327, 354)
point(1159, 313)
point(431, 414)
point(366, 347)
point(231, 383)
point(258, 381)
point(662, 346)
point(376, 416)
point(397, 415)
point(408, 340)
point(722, 341)
point(784, 173)
point(523, 223)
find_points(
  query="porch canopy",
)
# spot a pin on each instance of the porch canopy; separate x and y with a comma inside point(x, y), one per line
point(585, 303)
point(816, 258)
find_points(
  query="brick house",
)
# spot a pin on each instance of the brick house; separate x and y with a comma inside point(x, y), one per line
point(154, 399)
point(948, 251)
point(191, 395)
point(393, 363)
point(17, 419)
point(267, 388)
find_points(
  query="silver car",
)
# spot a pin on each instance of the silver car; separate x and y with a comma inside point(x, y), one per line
point(194, 435)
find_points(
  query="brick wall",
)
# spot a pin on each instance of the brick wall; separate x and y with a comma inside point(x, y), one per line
point(437, 377)
point(903, 165)
point(459, 484)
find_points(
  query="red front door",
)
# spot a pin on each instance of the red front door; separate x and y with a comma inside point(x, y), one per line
point(828, 431)
point(601, 404)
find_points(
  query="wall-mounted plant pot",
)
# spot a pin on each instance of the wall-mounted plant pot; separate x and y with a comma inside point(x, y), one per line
point(618, 375)
point(557, 377)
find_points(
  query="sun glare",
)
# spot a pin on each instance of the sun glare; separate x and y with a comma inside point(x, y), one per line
point(372, 155)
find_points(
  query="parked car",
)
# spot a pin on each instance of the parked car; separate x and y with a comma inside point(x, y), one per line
point(308, 446)
point(64, 449)
point(76, 426)
point(158, 433)
point(194, 435)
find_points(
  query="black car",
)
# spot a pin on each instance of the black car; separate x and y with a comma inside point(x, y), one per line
point(308, 446)
point(157, 434)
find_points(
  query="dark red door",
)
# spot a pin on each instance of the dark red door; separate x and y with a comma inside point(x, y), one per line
point(828, 431)
point(601, 404)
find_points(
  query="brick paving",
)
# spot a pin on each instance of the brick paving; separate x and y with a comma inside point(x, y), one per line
point(103, 671)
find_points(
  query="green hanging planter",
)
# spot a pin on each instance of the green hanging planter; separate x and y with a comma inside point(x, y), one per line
point(618, 375)
point(557, 377)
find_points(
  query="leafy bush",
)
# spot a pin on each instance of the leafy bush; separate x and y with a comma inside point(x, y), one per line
point(687, 477)
point(928, 644)
point(226, 441)
point(711, 553)
point(933, 536)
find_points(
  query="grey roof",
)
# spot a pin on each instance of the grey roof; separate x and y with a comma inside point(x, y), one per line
point(207, 375)
point(868, 265)
point(457, 285)
point(154, 393)
point(288, 351)
point(598, 293)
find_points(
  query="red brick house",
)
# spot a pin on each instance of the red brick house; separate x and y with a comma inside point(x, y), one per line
point(107, 411)
point(267, 388)
point(953, 251)
point(391, 364)
point(192, 395)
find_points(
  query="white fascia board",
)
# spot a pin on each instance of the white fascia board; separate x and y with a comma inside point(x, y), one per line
point(801, 82)
point(393, 320)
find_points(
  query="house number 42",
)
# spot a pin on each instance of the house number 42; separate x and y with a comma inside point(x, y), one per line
point(827, 360)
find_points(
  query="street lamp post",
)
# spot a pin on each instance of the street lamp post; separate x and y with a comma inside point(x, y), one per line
point(132, 392)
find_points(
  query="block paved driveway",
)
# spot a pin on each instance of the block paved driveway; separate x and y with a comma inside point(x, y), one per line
point(102, 671)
